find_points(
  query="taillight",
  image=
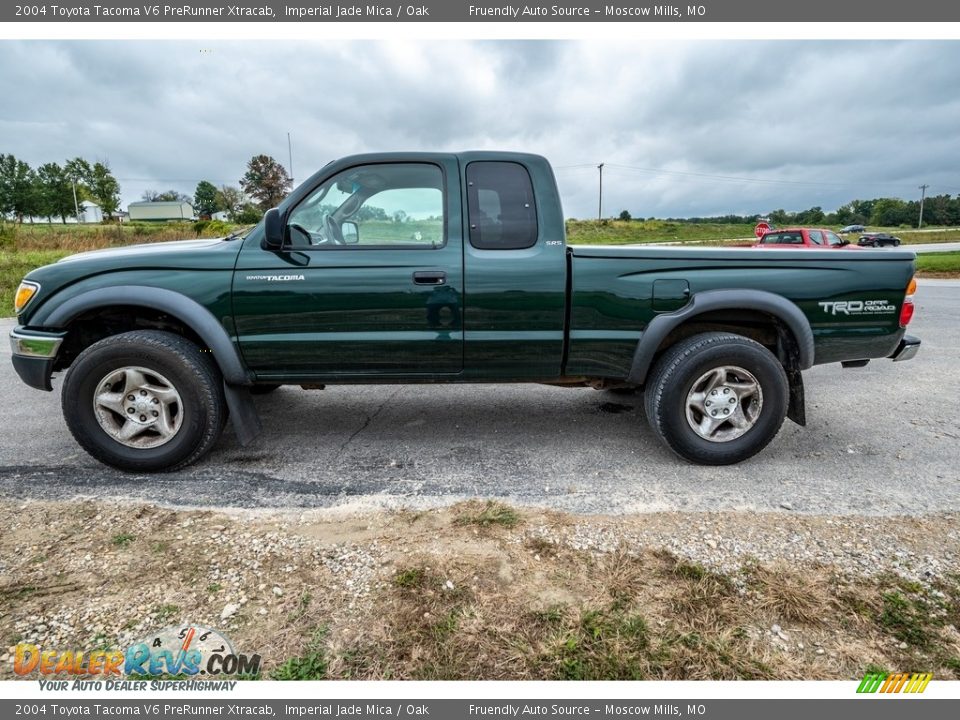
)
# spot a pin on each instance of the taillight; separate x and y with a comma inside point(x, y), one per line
point(906, 311)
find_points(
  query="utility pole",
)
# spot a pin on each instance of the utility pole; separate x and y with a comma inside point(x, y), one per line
point(76, 207)
point(290, 153)
point(600, 204)
point(923, 193)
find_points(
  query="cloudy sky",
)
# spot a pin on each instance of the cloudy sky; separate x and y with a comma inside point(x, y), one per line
point(685, 128)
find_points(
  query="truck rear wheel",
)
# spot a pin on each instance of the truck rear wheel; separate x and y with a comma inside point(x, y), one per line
point(144, 401)
point(717, 398)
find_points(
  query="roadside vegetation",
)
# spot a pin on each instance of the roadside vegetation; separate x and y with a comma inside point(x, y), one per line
point(945, 264)
point(482, 590)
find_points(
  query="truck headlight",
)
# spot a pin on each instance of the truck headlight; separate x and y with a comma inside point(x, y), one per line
point(24, 295)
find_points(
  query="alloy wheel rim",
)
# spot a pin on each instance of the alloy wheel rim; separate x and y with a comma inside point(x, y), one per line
point(724, 403)
point(138, 407)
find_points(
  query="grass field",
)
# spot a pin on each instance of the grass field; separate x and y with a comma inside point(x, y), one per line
point(945, 264)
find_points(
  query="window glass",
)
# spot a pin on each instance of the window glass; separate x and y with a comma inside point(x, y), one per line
point(833, 239)
point(782, 238)
point(373, 205)
point(502, 212)
point(816, 237)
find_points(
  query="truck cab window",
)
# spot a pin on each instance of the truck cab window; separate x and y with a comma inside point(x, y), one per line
point(502, 211)
point(372, 205)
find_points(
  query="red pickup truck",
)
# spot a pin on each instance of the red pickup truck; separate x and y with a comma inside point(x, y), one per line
point(819, 238)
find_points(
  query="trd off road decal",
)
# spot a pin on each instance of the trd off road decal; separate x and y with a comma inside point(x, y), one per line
point(858, 307)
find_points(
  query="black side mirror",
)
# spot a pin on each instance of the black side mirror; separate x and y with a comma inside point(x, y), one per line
point(350, 232)
point(272, 230)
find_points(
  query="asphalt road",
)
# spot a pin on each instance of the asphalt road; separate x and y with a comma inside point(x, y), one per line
point(884, 439)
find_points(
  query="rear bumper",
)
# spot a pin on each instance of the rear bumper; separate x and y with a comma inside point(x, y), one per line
point(907, 348)
point(34, 352)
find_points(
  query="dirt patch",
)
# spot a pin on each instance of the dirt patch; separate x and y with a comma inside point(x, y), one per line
point(482, 590)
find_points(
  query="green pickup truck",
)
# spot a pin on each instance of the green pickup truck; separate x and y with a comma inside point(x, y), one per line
point(437, 267)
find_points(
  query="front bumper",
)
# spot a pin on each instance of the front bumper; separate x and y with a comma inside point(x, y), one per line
point(907, 348)
point(34, 353)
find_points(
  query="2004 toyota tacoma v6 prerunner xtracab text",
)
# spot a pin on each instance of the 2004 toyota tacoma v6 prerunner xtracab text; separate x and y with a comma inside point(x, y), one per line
point(424, 268)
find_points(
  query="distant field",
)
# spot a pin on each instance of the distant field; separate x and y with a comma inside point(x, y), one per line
point(945, 264)
point(625, 232)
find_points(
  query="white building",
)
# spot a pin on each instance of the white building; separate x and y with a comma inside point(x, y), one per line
point(90, 214)
point(161, 210)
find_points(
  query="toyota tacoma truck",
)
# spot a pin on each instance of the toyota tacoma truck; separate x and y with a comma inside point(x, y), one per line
point(427, 268)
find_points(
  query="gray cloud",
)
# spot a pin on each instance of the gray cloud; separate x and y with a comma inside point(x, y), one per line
point(789, 124)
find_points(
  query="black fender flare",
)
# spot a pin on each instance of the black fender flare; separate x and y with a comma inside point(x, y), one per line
point(185, 309)
point(767, 302)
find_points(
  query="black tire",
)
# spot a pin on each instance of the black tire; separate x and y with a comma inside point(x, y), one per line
point(896, 243)
point(263, 389)
point(190, 371)
point(680, 367)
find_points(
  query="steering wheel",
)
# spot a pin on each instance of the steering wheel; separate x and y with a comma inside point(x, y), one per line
point(303, 231)
point(332, 231)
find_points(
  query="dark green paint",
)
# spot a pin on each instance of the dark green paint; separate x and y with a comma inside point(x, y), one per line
point(358, 316)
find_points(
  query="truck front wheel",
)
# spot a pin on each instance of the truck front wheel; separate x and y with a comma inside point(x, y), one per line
point(717, 398)
point(144, 401)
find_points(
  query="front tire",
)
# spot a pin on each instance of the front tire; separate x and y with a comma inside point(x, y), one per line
point(144, 401)
point(717, 398)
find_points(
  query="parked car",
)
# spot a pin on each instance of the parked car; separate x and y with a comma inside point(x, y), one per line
point(161, 342)
point(878, 239)
point(852, 229)
point(819, 238)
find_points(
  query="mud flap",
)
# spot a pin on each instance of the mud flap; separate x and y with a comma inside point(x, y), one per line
point(243, 413)
point(796, 410)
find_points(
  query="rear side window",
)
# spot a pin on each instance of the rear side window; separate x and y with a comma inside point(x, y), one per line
point(502, 212)
point(782, 239)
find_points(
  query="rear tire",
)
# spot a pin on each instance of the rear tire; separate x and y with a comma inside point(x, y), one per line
point(733, 378)
point(144, 401)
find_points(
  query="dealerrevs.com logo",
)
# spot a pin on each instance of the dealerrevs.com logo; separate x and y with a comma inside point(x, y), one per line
point(187, 651)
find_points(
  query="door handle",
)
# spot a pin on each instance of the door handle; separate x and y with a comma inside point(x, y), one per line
point(430, 277)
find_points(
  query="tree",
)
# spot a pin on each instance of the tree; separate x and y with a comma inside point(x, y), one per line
point(625, 215)
point(81, 176)
point(230, 200)
point(266, 181)
point(105, 189)
point(205, 199)
point(166, 196)
point(890, 212)
point(248, 214)
point(55, 192)
point(18, 188)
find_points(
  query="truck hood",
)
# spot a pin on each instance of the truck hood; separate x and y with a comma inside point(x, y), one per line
point(160, 253)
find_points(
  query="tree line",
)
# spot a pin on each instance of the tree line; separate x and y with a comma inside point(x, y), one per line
point(883, 212)
point(54, 190)
point(57, 191)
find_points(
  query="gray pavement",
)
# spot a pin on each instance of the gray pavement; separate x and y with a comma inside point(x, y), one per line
point(883, 439)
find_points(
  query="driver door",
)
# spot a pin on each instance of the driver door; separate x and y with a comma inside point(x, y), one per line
point(369, 281)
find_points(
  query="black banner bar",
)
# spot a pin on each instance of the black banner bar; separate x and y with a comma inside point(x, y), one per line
point(872, 707)
point(616, 11)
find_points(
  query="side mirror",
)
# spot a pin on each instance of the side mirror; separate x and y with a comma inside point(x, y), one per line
point(350, 232)
point(272, 230)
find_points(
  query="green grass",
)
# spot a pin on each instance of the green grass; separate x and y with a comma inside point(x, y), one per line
point(622, 232)
point(122, 540)
point(945, 263)
point(14, 265)
point(492, 513)
point(312, 665)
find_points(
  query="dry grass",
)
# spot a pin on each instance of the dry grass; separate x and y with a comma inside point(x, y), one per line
point(458, 595)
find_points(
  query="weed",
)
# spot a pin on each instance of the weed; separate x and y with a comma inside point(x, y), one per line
point(409, 578)
point(492, 513)
point(165, 612)
point(906, 619)
point(312, 665)
point(122, 540)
